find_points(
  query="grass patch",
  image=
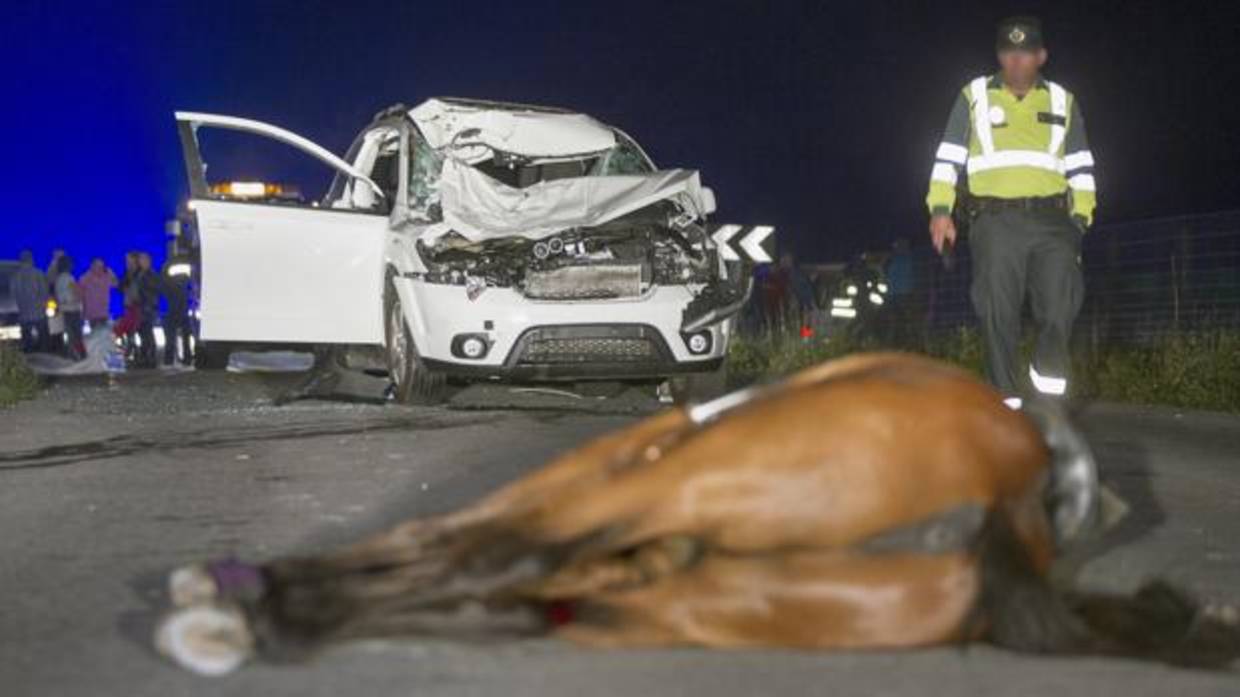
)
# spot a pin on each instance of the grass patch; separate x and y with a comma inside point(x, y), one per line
point(1189, 370)
point(17, 381)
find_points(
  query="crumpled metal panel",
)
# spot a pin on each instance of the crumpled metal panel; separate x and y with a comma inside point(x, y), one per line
point(585, 282)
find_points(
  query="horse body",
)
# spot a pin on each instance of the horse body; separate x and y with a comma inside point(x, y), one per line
point(861, 504)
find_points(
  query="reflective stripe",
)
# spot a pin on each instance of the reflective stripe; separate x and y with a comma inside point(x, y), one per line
point(1059, 108)
point(944, 172)
point(707, 411)
point(1046, 384)
point(1079, 159)
point(951, 152)
point(1016, 158)
point(1082, 182)
point(981, 114)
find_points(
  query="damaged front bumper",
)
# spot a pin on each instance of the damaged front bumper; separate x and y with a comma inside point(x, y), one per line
point(631, 338)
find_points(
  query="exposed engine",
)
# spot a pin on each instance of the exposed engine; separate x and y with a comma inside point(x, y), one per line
point(622, 258)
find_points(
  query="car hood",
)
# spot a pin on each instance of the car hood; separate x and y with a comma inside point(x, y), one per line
point(479, 207)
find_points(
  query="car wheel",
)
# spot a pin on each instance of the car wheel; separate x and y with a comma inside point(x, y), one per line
point(695, 388)
point(211, 356)
point(413, 382)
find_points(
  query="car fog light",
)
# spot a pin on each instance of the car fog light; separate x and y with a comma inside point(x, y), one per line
point(699, 342)
point(470, 346)
point(852, 290)
point(473, 347)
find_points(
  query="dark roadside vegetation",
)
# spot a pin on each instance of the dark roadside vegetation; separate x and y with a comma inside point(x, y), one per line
point(1188, 370)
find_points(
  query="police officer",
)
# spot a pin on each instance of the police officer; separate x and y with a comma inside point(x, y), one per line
point(1020, 139)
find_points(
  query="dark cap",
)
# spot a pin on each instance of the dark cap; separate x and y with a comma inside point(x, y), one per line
point(1019, 34)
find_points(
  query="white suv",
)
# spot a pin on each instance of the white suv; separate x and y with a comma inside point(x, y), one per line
point(475, 240)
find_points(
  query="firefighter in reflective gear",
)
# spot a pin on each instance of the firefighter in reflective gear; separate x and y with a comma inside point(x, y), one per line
point(1020, 140)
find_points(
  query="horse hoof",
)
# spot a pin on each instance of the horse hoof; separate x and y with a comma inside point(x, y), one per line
point(206, 639)
point(191, 585)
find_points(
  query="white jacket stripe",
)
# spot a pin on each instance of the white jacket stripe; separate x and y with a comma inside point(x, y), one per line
point(1016, 158)
point(1059, 108)
point(1079, 159)
point(981, 114)
point(950, 152)
point(944, 172)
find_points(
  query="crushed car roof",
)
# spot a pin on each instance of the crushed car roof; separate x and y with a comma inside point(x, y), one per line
point(477, 128)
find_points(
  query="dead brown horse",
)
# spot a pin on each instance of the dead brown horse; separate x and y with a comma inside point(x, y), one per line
point(878, 501)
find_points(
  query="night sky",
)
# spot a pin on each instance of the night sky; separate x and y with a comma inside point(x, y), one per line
point(820, 119)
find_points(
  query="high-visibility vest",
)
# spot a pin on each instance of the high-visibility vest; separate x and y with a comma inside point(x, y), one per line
point(1014, 148)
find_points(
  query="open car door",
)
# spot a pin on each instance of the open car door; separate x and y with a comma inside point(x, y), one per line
point(274, 272)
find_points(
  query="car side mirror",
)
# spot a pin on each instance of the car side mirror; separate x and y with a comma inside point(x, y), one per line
point(363, 197)
point(708, 200)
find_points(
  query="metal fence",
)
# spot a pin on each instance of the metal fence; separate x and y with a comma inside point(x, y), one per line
point(1143, 280)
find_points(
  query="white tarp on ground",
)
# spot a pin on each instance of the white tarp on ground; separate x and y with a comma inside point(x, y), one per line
point(479, 207)
point(102, 356)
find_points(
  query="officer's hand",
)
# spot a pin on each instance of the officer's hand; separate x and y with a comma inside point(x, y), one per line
point(942, 231)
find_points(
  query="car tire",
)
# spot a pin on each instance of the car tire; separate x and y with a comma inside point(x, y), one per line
point(412, 381)
point(695, 388)
point(211, 356)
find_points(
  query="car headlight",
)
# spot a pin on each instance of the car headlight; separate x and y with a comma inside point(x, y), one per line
point(876, 298)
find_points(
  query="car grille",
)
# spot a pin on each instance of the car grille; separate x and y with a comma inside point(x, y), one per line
point(588, 350)
point(582, 344)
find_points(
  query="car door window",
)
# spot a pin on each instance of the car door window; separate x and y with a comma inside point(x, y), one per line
point(625, 158)
point(376, 154)
point(250, 168)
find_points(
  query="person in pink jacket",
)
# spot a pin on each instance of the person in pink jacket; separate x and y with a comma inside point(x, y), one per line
point(96, 286)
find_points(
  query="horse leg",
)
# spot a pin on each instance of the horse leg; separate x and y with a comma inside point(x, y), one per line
point(819, 599)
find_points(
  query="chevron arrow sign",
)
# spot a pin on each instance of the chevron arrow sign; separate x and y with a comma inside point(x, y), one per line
point(752, 243)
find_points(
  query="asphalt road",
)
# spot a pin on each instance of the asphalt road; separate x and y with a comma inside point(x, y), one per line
point(105, 487)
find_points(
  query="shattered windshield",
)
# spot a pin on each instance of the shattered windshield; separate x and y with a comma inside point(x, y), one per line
point(520, 172)
point(625, 158)
point(425, 166)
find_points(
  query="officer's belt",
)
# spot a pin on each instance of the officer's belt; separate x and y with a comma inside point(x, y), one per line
point(991, 204)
